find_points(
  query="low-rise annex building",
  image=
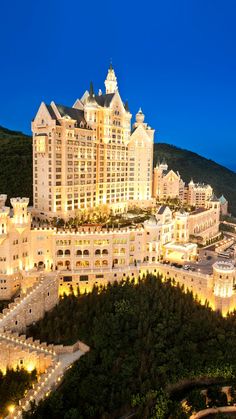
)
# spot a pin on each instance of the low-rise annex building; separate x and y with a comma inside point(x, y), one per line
point(96, 255)
point(168, 184)
point(24, 250)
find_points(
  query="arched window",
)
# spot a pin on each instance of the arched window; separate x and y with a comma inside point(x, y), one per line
point(82, 264)
point(67, 252)
point(59, 252)
point(60, 263)
point(122, 250)
point(79, 252)
point(86, 252)
point(115, 261)
point(105, 263)
point(67, 263)
point(105, 252)
point(97, 262)
point(97, 252)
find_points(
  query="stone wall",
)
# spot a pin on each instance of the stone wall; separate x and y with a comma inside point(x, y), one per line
point(32, 305)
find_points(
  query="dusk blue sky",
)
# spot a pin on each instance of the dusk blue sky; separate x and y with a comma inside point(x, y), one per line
point(174, 58)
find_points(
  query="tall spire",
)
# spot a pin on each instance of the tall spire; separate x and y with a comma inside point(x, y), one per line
point(91, 90)
point(111, 80)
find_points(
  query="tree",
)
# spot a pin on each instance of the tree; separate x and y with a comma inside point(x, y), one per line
point(196, 400)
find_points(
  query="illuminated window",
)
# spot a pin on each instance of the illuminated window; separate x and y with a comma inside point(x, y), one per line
point(41, 144)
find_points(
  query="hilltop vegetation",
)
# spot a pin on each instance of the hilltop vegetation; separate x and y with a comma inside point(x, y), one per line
point(16, 167)
point(15, 164)
point(144, 339)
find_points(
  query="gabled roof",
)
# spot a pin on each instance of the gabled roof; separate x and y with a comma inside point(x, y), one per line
point(214, 198)
point(169, 173)
point(73, 113)
point(162, 209)
point(136, 131)
point(126, 106)
point(51, 111)
point(104, 100)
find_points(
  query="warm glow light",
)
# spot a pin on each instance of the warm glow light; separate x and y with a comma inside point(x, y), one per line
point(11, 408)
point(30, 367)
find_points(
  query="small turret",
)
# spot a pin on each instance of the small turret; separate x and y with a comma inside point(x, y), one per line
point(4, 217)
point(3, 199)
point(224, 278)
point(140, 117)
point(139, 120)
point(21, 217)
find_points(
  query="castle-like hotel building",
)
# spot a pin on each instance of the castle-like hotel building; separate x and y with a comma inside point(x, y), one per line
point(88, 156)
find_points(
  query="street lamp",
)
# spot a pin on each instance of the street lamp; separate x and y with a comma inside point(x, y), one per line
point(11, 408)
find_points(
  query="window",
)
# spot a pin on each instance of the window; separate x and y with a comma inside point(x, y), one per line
point(67, 278)
point(41, 144)
point(83, 278)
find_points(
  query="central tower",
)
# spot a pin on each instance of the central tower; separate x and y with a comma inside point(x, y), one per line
point(111, 81)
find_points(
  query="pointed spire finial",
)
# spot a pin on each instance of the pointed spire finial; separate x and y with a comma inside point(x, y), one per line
point(91, 90)
point(110, 67)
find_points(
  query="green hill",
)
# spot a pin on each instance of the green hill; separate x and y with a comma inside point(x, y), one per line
point(16, 167)
point(191, 165)
point(15, 163)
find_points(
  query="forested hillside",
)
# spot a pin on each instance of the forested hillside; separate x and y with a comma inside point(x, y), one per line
point(15, 163)
point(143, 339)
point(16, 167)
